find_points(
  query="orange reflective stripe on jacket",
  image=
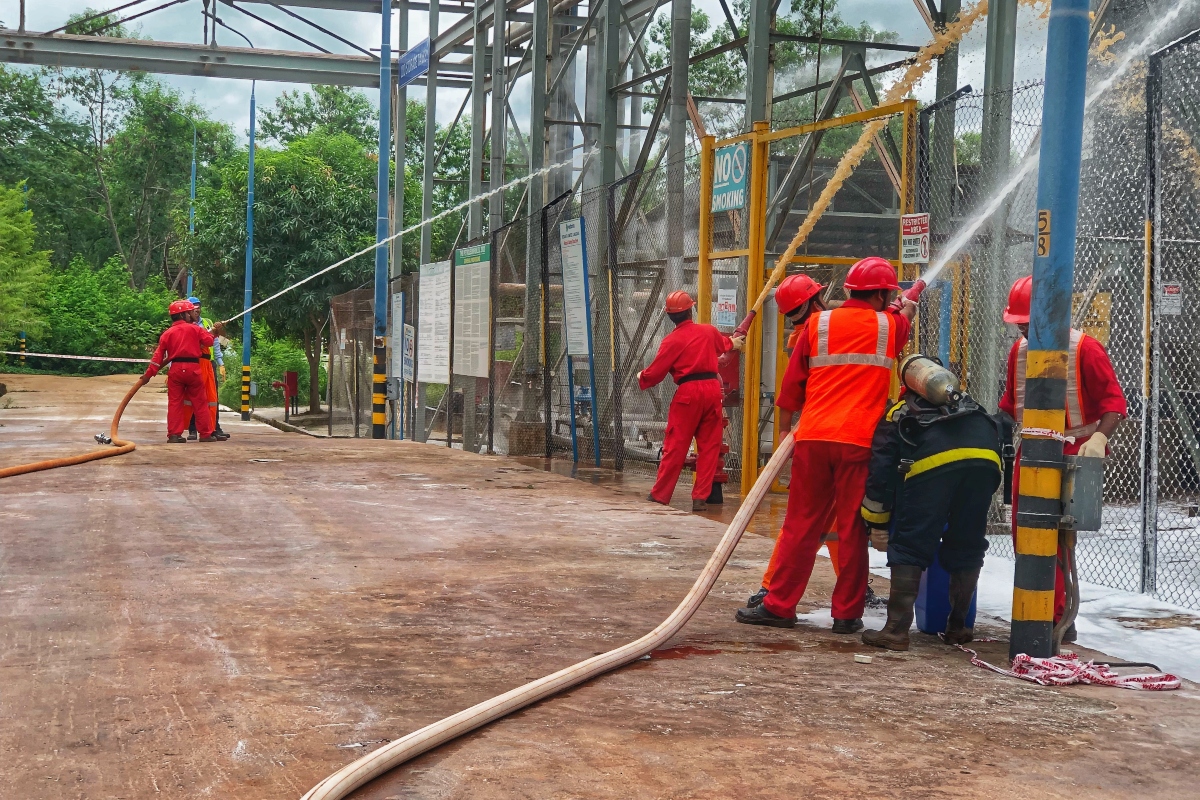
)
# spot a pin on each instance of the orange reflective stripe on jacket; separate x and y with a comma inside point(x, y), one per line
point(1075, 425)
point(850, 365)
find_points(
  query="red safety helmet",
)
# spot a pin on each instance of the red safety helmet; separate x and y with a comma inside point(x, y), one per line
point(179, 307)
point(871, 273)
point(1019, 296)
point(795, 291)
point(679, 301)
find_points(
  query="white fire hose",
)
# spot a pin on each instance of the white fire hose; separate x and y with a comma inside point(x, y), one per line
point(392, 755)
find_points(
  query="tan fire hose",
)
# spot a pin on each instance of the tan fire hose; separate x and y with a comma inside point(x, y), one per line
point(120, 445)
point(390, 756)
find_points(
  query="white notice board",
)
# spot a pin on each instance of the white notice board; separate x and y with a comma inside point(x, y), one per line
point(472, 310)
point(433, 334)
point(396, 342)
point(572, 245)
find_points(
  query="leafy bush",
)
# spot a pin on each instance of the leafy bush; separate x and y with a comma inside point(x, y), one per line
point(95, 312)
point(269, 359)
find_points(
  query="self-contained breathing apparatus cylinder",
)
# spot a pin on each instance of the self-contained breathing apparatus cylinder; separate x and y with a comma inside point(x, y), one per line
point(930, 380)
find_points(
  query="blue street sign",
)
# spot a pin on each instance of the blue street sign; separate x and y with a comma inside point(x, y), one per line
point(414, 63)
point(731, 165)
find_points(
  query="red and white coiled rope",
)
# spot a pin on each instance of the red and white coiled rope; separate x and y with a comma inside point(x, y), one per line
point(1068, 669)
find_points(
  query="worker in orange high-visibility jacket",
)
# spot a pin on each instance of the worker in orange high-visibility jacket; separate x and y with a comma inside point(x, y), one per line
point(1095, 404)
point(838, 377)
point(689, 355)
point(182, 344)
point(798, 297)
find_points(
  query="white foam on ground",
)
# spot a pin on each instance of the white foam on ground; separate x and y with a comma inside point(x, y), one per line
point(1119, 624)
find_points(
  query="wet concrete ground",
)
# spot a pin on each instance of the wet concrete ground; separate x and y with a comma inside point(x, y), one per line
point(237, 620)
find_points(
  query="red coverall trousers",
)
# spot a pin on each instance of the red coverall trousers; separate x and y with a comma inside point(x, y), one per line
point(822, 470)
point(695, 413)
point(185, 381)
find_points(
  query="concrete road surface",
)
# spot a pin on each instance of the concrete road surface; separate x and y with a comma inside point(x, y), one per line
point(237, 620)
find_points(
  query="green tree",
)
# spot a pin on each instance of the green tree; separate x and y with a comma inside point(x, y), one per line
point(322, 109)
point(23, 268)
point(44, 147)
point(794, 62)
point(314, 204)
point(96, 312)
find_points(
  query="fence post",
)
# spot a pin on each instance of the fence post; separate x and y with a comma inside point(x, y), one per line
point(1150, 366)
point(618, 424)
point(755, 268)
point(545, 214)
point(703, 262)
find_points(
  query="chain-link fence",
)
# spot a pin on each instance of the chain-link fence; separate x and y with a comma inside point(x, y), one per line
point(1171, 549)
point(351, 337)
point(1154, 461)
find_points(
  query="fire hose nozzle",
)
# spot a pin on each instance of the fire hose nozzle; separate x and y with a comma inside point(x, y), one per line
point(912, 293)
point(744, 326)
point(102, 438)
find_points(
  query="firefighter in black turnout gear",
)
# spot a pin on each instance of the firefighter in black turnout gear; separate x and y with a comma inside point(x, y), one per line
point(935, 464)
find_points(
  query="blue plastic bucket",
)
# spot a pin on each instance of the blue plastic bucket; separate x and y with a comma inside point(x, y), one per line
point(933, 600)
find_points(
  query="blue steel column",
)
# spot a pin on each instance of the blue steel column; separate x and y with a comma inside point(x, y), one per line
point(379, 372)
point(1039, 508)
point(192, 205)
point(248, 300)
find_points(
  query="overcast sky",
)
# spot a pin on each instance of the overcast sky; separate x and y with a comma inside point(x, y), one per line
point(229, 99)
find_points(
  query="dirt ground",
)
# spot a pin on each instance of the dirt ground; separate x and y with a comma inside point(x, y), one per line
point(237, 620)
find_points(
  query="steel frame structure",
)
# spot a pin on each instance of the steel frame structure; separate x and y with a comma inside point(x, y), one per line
point(486, 48)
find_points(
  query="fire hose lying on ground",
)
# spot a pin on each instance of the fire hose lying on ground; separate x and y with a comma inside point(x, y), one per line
point(120, 447)
point(392, 755)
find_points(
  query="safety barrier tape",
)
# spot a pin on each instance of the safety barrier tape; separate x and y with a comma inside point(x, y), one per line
point(1047, 433)
point(1067, 669)
point(75, 358)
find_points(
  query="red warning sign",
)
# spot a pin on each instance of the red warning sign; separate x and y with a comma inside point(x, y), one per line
point(914, 239)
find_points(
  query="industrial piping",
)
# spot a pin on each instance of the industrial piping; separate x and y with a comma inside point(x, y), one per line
point(371, 766)
point(121, 446)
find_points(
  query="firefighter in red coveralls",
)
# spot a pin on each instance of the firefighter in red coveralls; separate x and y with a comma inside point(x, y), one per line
point(839, 375)
point(1095, 404)
point(182, 344)
point(689, 354)
point(797, 298)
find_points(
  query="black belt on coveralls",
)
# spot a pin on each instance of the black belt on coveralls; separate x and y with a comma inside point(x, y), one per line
point(206, 357)
point(178, 359)
point(697, 376)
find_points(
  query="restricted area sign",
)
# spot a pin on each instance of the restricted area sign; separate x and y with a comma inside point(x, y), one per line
point(1170, 300)
point(731, 165)
point(914, 239)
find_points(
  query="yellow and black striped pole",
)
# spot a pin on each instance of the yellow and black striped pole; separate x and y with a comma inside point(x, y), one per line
point(245, 391)
point(379, 391)
point(1039, 507)
point(21, 345)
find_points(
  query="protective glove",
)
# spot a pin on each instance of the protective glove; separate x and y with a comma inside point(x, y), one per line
point(739, 342)
point(879, 539)
point(1095, 447)
point(222, 368)
point(144, 379)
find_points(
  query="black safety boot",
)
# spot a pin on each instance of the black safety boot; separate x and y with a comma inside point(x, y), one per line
point(760, 616)
point(756, 599)
point(962, 586)
point(192, 435)
point(221, 436)
point(653, 499)
point(176, 439)
point(699, 505)
point(906, 580)
point(847, 625)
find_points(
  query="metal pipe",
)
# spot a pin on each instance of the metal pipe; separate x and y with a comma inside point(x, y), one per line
point(382, 185)
point(1038, 517)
